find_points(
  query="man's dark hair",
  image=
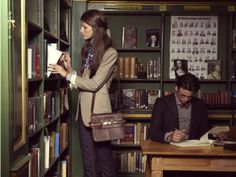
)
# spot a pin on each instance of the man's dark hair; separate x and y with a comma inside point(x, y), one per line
point(189, 82)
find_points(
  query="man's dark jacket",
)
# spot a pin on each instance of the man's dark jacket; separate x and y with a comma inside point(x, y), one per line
point(165, 118)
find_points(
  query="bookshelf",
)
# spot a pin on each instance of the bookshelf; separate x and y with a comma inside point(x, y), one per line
point(46, 115)
point(151, 16)
point(48, 111)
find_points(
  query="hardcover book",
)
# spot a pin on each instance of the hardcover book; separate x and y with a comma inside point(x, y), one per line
point(128, 99)
point(47, 150)
point(63, 168)
point(133, 73)
point(129, 37)
point(30, 62)
point(33, 62)
point(152, 38)
point(63, 136)
point(127, 63)
point(121, 67)
point(36, 72)
point(33, 114)
point(129, 134)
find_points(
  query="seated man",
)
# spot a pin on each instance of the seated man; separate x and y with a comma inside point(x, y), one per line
point(180, 115)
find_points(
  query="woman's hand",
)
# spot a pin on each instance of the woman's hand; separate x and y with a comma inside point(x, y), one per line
point(57, 69)
point(66, 60)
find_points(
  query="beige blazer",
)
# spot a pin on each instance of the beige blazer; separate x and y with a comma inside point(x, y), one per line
point(89, 85)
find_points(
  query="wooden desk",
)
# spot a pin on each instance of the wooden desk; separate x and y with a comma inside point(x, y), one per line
point(162, 157)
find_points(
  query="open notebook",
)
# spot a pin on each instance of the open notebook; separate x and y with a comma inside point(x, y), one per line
point(204, 140)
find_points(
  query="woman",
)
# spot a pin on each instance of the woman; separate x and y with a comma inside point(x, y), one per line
point(99, 62)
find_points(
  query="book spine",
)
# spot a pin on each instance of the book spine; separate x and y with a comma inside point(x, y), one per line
point(63, 168)
point(121, 67)
point(29, 61)
point(133, 68)
point(56, 145)
point(47, 149)
point(127, 68)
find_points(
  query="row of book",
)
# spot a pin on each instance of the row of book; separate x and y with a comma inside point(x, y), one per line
point(221, 97)
point(34, 165)
point(142, 99)
point(135, 99)
point(55, 103)
point(130, 68)
point(33, 62)
point(51, 55)
point(55, 143)
point(130, 161)
point(34, 113)
point(134, 133)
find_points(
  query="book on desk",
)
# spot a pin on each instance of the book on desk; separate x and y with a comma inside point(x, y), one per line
point(208, 139)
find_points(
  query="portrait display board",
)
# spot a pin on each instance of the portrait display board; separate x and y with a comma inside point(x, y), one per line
point(193, 39)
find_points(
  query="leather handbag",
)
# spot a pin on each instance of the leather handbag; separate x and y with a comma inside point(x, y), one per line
point(106, 126)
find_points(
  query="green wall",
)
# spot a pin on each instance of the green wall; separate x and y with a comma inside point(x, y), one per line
point(4, 119)
point(78, 8)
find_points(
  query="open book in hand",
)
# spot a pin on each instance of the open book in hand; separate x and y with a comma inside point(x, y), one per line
point(53, 57)
point(204, 140)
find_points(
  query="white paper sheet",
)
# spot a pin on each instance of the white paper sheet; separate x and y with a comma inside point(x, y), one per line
point(204, 140)
point(192, 143)
point(53, 57)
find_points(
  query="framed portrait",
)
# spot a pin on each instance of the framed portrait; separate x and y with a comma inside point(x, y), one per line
point(180, 67)
point(152, 38)
point(214, 69)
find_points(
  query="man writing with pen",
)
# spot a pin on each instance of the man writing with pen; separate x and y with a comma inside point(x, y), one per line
point(180, 115)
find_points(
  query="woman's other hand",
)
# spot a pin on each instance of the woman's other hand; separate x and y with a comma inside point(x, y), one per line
point(66, 60)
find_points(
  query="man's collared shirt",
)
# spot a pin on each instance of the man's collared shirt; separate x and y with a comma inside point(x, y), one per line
point(184, 113)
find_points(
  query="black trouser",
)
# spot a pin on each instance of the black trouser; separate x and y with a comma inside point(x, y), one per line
point(97, 156)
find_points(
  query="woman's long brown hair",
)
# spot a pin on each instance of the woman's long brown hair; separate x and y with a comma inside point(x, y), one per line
point(100, 41)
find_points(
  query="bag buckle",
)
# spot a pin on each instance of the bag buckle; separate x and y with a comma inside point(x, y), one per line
point(107, 123)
